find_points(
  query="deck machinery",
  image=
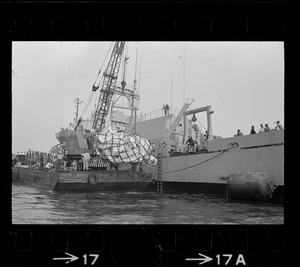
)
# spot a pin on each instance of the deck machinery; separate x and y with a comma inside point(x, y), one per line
point(81, 140)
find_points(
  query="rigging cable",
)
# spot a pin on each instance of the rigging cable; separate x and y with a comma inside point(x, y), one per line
point(257, 83)
point(202, 125)
point(231, 145)
point(94, 85)
point(87, 106)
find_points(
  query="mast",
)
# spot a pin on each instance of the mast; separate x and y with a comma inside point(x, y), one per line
point(77, 103)
point(183, 97)
point(123, 83)
point(171, 105)
point(134, 90)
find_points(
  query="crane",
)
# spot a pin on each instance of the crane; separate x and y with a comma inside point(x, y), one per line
point(110, 77)
point(79, 142)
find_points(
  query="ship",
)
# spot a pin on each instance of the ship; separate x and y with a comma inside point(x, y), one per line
point(208, 166)
point(205, 166)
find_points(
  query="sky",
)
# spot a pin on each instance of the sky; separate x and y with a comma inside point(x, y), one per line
point(242, 81)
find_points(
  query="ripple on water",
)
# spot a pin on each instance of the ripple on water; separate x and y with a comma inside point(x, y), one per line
point(35, 206)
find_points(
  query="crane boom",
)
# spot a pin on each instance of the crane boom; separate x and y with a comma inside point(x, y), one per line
point(110, 77)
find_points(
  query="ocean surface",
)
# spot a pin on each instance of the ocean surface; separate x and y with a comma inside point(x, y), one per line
point(38, 206)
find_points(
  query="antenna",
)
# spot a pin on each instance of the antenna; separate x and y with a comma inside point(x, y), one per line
point(134, 89)
point(171, 89)
point(123, 83)
point(136, 58)
point(183, 100)
point(140, 67)
point(77, 103)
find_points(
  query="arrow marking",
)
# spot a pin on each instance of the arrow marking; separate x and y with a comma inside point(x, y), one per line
point(73, 258)
point(202, 260)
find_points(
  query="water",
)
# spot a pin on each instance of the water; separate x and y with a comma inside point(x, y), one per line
point(37, 206)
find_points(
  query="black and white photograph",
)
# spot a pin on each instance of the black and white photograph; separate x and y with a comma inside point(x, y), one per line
point(117, 132)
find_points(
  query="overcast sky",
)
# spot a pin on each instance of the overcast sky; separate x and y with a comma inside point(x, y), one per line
point(242, 81)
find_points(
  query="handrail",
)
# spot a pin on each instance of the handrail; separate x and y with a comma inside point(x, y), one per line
point(159, 113)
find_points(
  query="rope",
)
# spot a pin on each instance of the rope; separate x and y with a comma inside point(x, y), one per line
point(88, 102)
point(231, 145)
point(257, 82)
point(138, 143)
point(103, 63)
point(202, 125)
point(196, 164)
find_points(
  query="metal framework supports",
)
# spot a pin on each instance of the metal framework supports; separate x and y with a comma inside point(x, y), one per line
point(208, 111)
point(108, 86)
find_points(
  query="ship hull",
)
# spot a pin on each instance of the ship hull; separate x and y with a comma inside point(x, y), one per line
point(208, 171)
point(217, 166)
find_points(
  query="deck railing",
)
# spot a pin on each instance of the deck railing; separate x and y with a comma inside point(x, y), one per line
point(159, 113)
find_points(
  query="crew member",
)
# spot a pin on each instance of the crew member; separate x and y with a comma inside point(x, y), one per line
point(279, 126)
point(262, 129)
point(85, 158)
point(191, 143)
point(42, 161)
point(152, 148)
point(167, 109)
point(239, 133)
point(252, 130)
point(267, 128)
point(58, 160)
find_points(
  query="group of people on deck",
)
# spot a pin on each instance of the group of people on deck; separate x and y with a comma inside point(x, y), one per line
point(262, 129)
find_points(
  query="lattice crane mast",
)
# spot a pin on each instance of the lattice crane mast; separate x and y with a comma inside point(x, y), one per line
point(110, 77)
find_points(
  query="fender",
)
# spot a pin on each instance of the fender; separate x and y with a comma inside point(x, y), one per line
point(92, 179)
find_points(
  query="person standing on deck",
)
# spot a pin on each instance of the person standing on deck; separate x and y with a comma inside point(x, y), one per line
point(86, 157)
point(252, 130)
point(267, 128)
point(167, 109)
point(191, 144)
point(152, 149)
point(58, 161)
point(239, 133)
point(261, 130)
point(42, 161)
point(279, 126)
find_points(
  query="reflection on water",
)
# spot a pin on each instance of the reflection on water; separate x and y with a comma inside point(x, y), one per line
point(38, 206)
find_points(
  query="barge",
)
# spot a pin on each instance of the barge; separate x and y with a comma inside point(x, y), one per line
point(104, 180)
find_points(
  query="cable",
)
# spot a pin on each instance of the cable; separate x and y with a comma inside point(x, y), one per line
point(102, 64)
point(195, 164)
point(231, 146)
point(202, 125)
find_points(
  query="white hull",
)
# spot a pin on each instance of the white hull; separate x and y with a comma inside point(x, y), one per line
point(261, 159)
point(262, 152)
